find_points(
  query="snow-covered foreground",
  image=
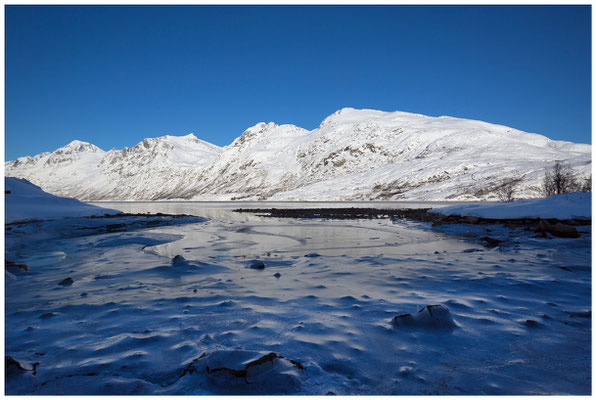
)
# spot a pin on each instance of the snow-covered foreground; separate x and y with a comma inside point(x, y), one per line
point(318, 317)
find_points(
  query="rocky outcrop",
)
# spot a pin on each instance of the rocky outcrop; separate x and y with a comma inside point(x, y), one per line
point(557, 229)
point(248, 372)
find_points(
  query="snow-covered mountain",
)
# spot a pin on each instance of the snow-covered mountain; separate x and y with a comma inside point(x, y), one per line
point(352, 155)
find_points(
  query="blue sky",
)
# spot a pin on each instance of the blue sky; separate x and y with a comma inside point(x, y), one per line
point(113, 75)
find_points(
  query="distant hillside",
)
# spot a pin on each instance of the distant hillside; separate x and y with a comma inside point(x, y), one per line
point(352, 155)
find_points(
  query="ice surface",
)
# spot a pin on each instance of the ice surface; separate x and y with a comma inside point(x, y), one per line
point(138, 320)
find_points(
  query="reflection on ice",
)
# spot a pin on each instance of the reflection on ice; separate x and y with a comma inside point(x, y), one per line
point(282, 237)
point(223, 210)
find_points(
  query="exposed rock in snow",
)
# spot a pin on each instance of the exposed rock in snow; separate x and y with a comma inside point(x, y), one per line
point(249, 372)
point(557, 229)
point(179, 260)
point(13, 367)
point(66, 282)
point(25, 201)
point(15, 266)
point(433, 316)
point(352, 155)
point(257, 265)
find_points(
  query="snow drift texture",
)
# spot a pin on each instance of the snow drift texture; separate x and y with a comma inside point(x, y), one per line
point(561, 206)
point(25, 201)
point(352, 155)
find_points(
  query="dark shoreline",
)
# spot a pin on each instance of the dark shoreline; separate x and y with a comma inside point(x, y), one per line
point(550, 225)
point(338, 213)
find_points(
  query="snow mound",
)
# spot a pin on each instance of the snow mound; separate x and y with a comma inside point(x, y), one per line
point(25, 201)
point(561, 206)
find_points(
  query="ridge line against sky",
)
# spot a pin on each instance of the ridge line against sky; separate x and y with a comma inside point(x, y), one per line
point(114, 75)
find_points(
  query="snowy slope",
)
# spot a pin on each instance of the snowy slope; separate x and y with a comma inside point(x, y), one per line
point(151, 170)
point(62, 171)
point(352, 155)
point(562, 206)
point(25, 201)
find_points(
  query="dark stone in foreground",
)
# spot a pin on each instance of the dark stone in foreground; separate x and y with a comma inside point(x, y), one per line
point(491, 242)
point(11, 264)
point(257, 265)
point(312, 255)
point(12, 366)
point(530, 323)
point(236, 372)
point(66, 282)
point(557, 229)
point(434, 316)
point(179, 260)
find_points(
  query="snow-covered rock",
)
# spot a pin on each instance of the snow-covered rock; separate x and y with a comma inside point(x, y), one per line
point(249, 372)
point(352, 155)
point(431, 317)
point(25, 201)
point(562, 206)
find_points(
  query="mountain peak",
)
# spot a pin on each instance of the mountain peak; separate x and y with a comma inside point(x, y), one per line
point(253, 132)
point(189, 136)
point(342, 113)
point(358, 154)
point(72, 152)
point(78, 146)
point(261, 127)
point(189, 142)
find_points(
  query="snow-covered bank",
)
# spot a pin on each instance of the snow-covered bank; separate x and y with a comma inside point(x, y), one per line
point(25, 201)
point(562, 206)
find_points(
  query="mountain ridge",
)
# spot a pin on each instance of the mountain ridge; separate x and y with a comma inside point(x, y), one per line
point(352, 155)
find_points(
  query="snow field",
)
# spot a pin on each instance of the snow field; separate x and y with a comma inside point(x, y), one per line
point(136, 321)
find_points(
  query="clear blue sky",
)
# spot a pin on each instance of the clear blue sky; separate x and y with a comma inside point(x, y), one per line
point(113, 75)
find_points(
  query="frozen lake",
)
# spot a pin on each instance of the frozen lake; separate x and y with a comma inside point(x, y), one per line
point(243, 234)
point(137, 319)
point(224, 209)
